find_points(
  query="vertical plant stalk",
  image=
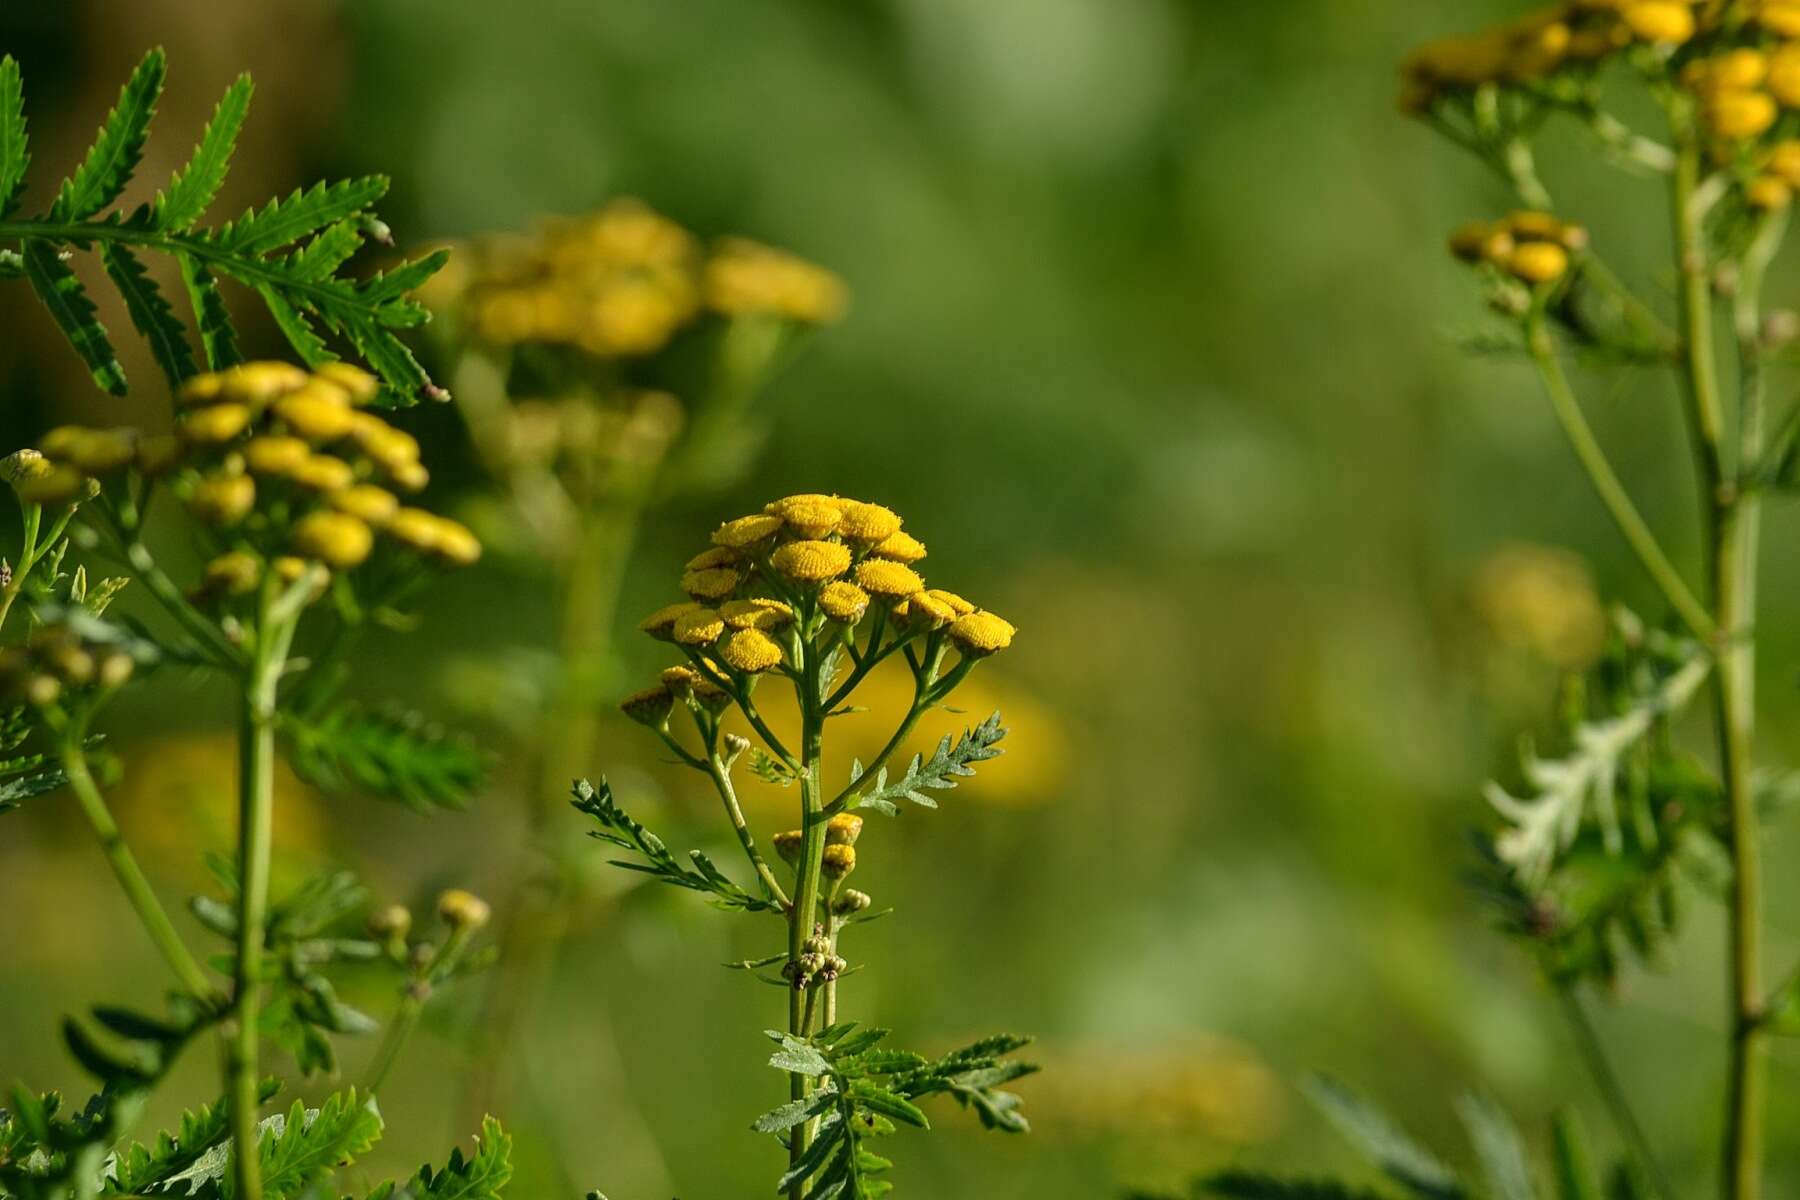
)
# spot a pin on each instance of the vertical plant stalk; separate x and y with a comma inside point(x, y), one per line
point(274, 632)
point(136, 887)
point(806, 883)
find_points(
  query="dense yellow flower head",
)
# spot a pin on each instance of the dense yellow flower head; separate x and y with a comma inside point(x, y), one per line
point(901, 546)
point(661, 623)
point(756, 613)
point(843, 601)
point(747, 531)
point(879, 577)
point(701, 627)
point(223, 499)
point(1737, 114)
point(809, 516)
point(1665, 22)
point(1538, 262)
point(336, 539)
point(982, 633)
point(811, 561)
point(843, 829)
point(715, 556)
point(745, 277)
point(373, 504)
point(275, 454)
point(751, 651)
point(924, 610)
point(650, 706)
point(839, 861)
point(869, 523)
point(958, 605)
point(711, 583)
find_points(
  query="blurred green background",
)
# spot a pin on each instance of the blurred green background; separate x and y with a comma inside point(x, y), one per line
point(1150, 341)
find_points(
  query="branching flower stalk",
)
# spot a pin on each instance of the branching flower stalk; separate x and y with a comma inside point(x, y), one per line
point(574, 353)
point(818, 591)
point(1727, 76)
point(288, 480)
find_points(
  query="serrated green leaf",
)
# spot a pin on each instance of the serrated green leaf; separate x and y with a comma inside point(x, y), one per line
point(1498, 1148)
point(114, 155)
point(307, 344)
point(281, 222)
point(798, 1058)
point(888, 1104)
point(67, 300)
point(794, 1112)
point(825, 1139)
point(150, 314)
point(218, 339)
point(481, 1176)
point(193, 187)
point(407, 383)
point(392, 752)
point(1383, 1143)
point(310, 1143)
point(405, 278)
point(15, 143)
point(326, 252)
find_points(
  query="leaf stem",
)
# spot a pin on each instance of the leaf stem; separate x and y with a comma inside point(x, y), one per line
point(721, 777)
point(161, 930)
point(1612, 1093)
point(1606, 483)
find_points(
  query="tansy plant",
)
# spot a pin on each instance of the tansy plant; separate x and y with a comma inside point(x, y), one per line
point(290, 483)
point(807, 598)
point(604, 365)
point(1597, 844)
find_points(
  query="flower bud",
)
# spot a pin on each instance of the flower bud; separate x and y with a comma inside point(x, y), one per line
point(337, 539)
point(114, 669)
point(392, 923)
point(839, 861)
point(233, 574)
point(223, 499)
point(56, 486)
point(649, 707)
point(982, 633)
point(788, 844)
point(843, 829)
point(213, 426)
point(463, 910)
point(850, 902)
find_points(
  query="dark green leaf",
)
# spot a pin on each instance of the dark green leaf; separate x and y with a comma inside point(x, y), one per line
point(114, 155)
point(150, 313)
point(195, 185)
point(217, 337)
point(74, 313)
point(481, 1176)
point(283, 221)
point(15, 145)
point(794, 1112)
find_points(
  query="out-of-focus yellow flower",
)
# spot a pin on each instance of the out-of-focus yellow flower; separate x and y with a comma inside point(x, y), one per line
point(1784, 75)
point(1665, 22)
point(1738, 113)
point(1211, 1088)
point(1538, 262)
point(744, 277)
point(1541, 600)
point(1771, 193)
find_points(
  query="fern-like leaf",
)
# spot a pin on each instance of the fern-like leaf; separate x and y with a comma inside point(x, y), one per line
point(15, 144)
point(282, 222)
point(1546, 822)
point(949, 762)
point(395, 753)
point(193, 187)
point(114, 155)
point(310, 1142)
point(138, 1167)
point(480, 1176)
point(150, 314)
point(67, 300)
point(218, 339)
point(296, 328)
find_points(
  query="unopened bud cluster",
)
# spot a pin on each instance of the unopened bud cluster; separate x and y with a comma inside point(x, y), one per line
point(59, 660)
point(1532, 247)
point(818, 963)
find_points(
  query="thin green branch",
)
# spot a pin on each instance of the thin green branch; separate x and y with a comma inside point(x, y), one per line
point(1606, 483)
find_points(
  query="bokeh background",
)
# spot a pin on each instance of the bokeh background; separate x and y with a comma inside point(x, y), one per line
point(1153, 339)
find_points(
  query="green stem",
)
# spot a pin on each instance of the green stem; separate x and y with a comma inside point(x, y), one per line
point(130, 876)
point(406, 1019)
point(256, 802)
point(1699, 372)
point(1612, 1093)
point(1606, 483)
point(721, 777)
point(804, 912)
point(32, 516)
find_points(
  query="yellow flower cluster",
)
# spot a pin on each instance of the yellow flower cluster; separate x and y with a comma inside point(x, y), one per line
point(58, 658)
point(287, 464)
point(1530, 246)
point(1542, 43)
point(806, 566)
point(623, 281)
